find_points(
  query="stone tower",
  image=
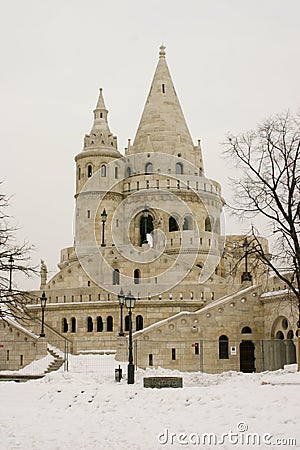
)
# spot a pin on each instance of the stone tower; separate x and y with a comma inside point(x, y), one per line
point(163, 215)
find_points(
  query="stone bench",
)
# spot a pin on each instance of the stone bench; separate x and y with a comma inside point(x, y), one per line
point(162, 382)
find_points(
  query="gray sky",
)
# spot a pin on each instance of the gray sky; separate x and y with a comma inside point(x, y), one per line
point(233, 64)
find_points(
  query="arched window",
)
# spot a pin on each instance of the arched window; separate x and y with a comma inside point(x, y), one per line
point(109, 323)
point(90, 325)
point(246, 330)
point(223, 347)
point(103, 170)
point(179, 168)
point(187, 223)
point(116, 172)
point(128, 172)
point(149, 168)
point(279, 335)
point(65, 325)
point(99, 324)
point(146, 227)
point(116, 277)
point(127, 323)
point(137, 276)
point(73, 325)
point(89, 171)
point(208, 224)
point(173, 225)
point(139, 322)
point(217, 226)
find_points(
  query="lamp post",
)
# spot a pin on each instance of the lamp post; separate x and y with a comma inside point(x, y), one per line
point(121, 298)
point(103, 218)
point(129, 302)
point(11, 262)
point(145, 215)
point(43, 300)
point(246, 275)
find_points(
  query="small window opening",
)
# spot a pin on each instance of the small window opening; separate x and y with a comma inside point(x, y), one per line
point(173, 354)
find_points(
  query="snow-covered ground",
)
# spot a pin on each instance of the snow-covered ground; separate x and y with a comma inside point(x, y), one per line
point(86, 409)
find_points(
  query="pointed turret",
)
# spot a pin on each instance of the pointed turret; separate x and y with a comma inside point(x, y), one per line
point(100, 135)
point(162, 126)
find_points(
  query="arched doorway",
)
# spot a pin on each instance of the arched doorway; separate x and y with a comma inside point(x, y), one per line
point(146, 227)
point(247, 357)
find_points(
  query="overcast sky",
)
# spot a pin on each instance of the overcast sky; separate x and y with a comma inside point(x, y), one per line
point(233, 64)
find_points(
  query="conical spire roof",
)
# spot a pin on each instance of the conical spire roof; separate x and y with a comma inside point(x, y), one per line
point(100, 138)
point(162, 126)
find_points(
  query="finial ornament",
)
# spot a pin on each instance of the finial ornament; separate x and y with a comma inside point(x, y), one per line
point(162, 52)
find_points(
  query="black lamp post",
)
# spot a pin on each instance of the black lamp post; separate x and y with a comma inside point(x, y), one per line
point(121, 298)
point(103, 218)
point(246, 275)
point(145, 215)
point(129, 302)
point(11, 262)
point(43, 300)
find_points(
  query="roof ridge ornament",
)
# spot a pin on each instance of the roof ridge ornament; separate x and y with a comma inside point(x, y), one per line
point(162, 52)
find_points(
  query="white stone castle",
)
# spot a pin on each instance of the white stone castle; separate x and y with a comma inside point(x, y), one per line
point(149, 222)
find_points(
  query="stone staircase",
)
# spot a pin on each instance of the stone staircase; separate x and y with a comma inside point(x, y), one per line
point(56, 364)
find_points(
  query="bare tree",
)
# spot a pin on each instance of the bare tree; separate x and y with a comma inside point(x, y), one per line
point(14, 260)
point(269, 159)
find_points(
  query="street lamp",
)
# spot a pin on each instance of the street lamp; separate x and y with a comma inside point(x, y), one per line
point(129, 302)
point(246, 275)
point(11, 262)
point(121, 298)
point(103, 218)
point(145, 215)
point(43, 300)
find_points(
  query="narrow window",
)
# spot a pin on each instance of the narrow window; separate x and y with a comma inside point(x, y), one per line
point(173, 225)
point(150, 359)
point(101, 115)
point(65, 326)
point(89, 283)
point(21, 360)
point(149, 168)
point(90, 298)
point(89, 171)
point(79, 173)
point(196, 345)
point(163, 88)
point(89, 214)
point(179, 169)
point(116, 277)
point(136, 276)
point(103, 170)
point(173, 354)
point(147, 184)
point(80, 297)
point(223, 347)
point(73, 325)
point(90, 325)
point(137, 185)
point(99, 324)
point(208, 226)
point(7, 355)
point(109, 323)
point(116, 172)
point(139, 322)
